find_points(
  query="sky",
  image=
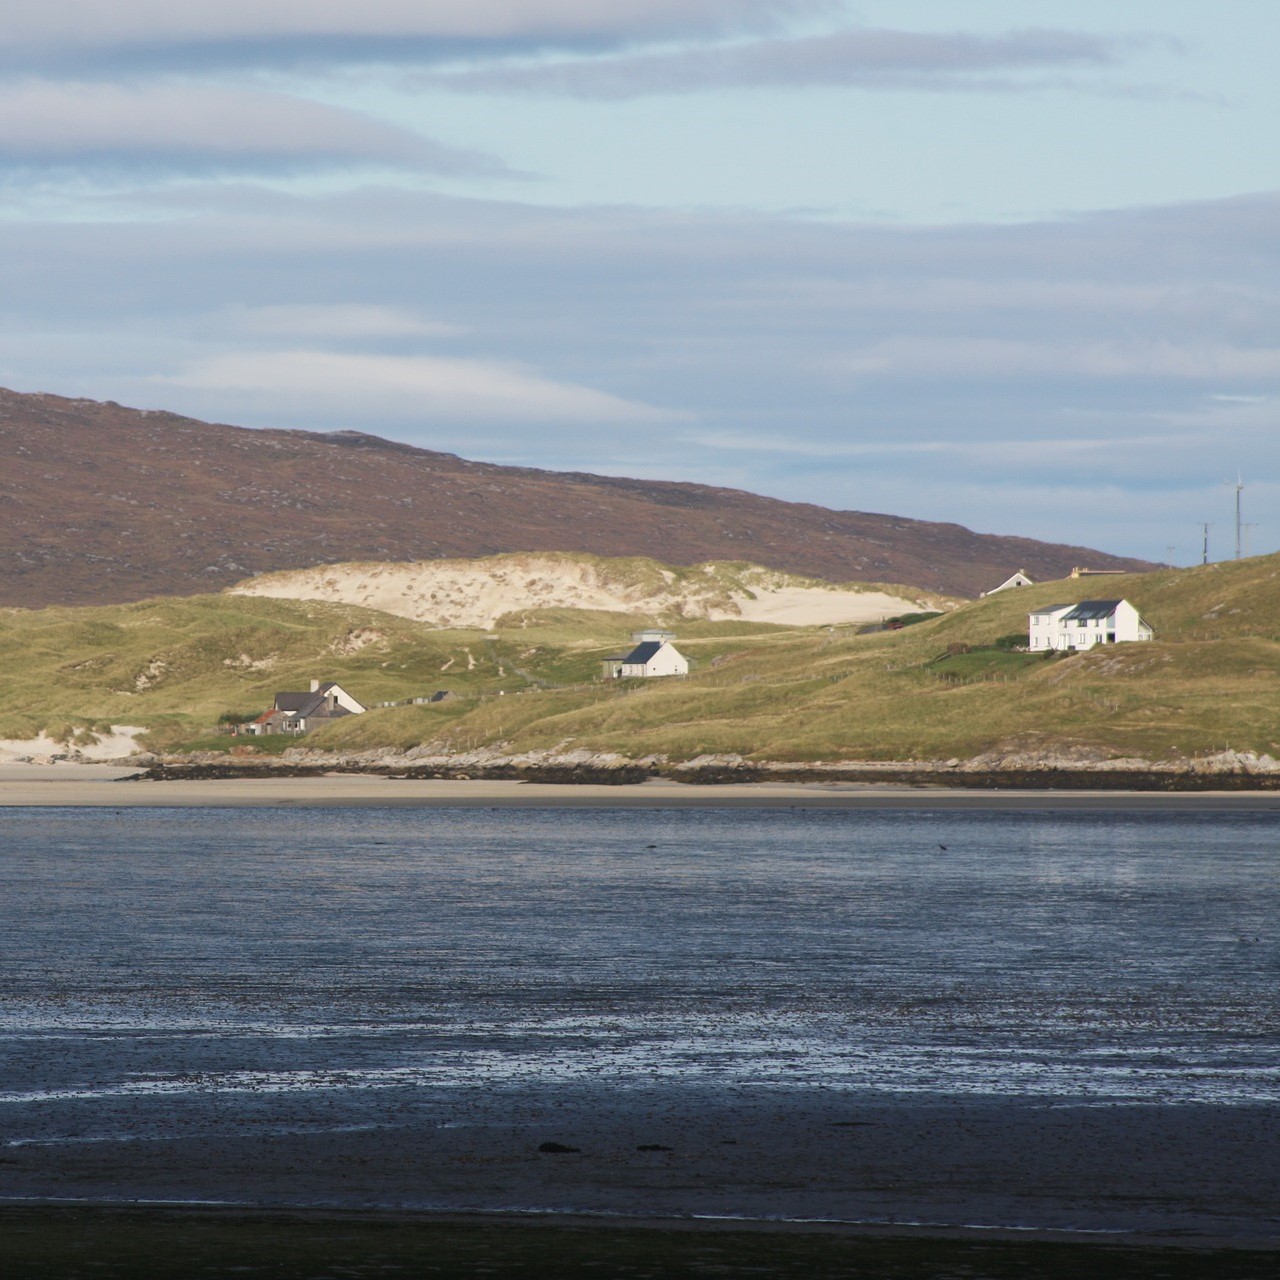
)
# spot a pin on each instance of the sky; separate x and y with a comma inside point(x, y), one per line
point(1009, 263)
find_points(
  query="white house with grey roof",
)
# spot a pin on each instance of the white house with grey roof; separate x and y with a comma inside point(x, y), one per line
point(1084, 625)
point(298, 712)
point(653, 655)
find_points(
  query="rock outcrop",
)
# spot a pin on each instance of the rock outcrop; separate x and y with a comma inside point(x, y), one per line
point(1073, 770)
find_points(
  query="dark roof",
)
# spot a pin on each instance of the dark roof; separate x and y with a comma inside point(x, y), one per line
point(323, 712)
point(1049, 608)
point(643, 652)
point(1094, 609)
point(294, 701)
point(310, 706)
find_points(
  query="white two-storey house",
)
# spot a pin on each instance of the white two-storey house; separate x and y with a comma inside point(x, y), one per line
point(1084, 625)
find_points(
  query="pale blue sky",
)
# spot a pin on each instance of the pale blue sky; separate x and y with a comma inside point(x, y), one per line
point(1187, 114)
point(1012, 264)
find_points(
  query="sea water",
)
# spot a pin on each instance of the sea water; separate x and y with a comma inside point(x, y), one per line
point(151, 955)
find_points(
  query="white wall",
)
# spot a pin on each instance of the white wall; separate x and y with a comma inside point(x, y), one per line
point(1045, 628)
point(1129, 624)
point(344, 699)
point(668, 661)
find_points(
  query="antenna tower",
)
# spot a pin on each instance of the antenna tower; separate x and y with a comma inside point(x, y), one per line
point(1238, 485)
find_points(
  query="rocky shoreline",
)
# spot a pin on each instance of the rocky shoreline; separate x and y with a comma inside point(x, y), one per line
point(1225, 771)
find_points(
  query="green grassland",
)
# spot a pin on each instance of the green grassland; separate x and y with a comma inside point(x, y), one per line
point(940, 688)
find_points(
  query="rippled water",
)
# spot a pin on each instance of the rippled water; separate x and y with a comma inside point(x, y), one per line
point(246, 954)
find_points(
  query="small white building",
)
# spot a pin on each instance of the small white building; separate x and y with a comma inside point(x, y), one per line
point(653, 655)
point(1019, 579)
point(1084, 625)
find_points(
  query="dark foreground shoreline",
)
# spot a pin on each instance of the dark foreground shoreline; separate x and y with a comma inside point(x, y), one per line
point(1050, 779)
point(258, 786)
point(693, 1158)
point(132, 1242)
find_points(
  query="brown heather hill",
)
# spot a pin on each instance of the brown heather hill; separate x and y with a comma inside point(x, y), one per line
point(103, 504)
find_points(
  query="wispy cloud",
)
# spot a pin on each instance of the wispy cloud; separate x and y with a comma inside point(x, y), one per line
point(266, 32)
point(344, 321)
point(421, 389)
point(859, 57)
point(968, 358)
point(194, 128)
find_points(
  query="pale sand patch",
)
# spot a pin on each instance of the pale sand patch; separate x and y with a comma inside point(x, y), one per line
point(366, 791)
point(807, 607)
point(63, 774)
point(476, 593)
point(121, 741)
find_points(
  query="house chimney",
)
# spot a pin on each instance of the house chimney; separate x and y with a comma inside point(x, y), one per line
point(315, 686)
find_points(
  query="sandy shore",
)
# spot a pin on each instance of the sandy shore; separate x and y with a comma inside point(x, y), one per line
point(105, 786)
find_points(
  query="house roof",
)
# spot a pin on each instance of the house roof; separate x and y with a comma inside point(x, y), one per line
point(643, 652)
point(313, 706)
point(1088, 609)
point(294, 701)
point(1050, 608)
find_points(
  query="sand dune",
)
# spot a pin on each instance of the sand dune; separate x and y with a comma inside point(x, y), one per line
point(476, 593)
point(42, 749)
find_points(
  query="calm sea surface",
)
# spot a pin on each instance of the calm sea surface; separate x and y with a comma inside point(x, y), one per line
point(159, 954)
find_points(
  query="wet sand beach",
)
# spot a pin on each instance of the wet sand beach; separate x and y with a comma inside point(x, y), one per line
point(666, 1185)
point(671, 1152)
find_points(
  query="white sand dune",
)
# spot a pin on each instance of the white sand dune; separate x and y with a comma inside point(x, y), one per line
point(42, 749)
point(476, 593)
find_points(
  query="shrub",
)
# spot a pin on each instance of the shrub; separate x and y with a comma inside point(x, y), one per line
point(909, 619)
point(1014, 640)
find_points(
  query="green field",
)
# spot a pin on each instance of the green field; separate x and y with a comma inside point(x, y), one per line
point(938, 689)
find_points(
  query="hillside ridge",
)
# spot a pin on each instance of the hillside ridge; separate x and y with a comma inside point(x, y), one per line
point(104, 504)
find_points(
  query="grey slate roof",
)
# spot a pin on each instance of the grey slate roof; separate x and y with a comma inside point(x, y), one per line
point(310, 705)
point(295, 701)
point(643, 652)
point(1088, 609)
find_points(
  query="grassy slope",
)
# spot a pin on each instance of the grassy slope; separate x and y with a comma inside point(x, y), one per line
point(177, 665)
point(1211, 679)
